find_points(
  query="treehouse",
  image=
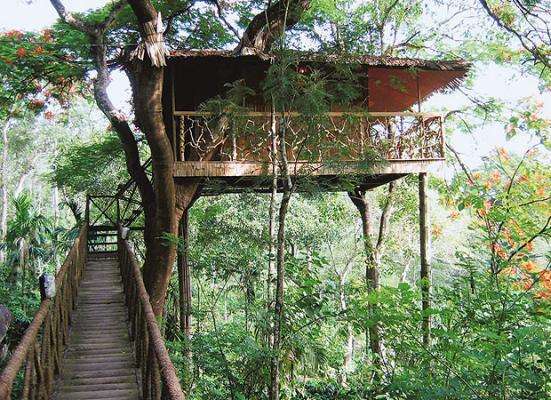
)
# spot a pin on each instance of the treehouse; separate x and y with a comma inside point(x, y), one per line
point(378, 136)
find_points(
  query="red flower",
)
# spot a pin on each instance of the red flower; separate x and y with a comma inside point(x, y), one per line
point(14, 34)
point(21, 52)
point(47, 35)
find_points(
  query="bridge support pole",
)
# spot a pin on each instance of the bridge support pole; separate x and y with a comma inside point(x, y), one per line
point(425, 253)
point(184, 276)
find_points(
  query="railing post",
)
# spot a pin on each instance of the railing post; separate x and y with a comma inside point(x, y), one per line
point(87, 210)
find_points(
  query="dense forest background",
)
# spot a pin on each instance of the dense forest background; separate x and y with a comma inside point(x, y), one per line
point(490, 214)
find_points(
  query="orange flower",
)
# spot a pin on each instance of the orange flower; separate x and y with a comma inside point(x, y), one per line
point(507, 236)
point(522, 179)
point(476, 175)
point(454, 215)
point(495, 176)
point(484, 211)
point(503, 153)
point(496, 247)
point(14, 34)
point(21, 52)
point(39, 50)
point(49, 115)
point(509, 271)
point(543, 294)
point(47, 35)
point(545, 279)
point(529, 246)
point(540, 191)
point(529, 266)
point(436, 230)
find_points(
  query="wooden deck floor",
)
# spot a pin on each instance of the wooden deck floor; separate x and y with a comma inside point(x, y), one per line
point(99, 361)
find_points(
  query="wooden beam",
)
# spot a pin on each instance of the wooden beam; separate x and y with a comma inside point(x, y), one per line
point(425, 251)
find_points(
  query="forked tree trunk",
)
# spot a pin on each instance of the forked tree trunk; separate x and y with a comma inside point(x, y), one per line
point(164, 203)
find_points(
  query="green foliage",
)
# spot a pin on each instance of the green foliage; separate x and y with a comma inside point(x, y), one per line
point(76, 166)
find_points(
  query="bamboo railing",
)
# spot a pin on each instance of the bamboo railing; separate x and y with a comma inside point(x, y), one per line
point(40, 352)
point(331, 136)
point(158, 375)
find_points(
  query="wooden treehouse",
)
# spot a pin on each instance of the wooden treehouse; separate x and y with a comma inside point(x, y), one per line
point(385, 121)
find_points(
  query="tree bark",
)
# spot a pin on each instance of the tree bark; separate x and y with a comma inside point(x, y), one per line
point(371, 270)
point(266, 26)
point(425, 251)
point(280, 266)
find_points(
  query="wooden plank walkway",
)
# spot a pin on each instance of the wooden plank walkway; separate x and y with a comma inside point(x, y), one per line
point(99, 361)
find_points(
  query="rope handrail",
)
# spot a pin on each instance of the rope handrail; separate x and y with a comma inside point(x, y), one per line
point(158, 374)
point(44, 353)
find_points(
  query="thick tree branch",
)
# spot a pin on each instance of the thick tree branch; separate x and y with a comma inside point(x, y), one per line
point(221, 16)
point(70, 19)
point(269, 24)
point(116, 118)
point(386, 213)
point(117, 8)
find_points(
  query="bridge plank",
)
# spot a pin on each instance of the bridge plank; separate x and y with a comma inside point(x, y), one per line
point(99, 361)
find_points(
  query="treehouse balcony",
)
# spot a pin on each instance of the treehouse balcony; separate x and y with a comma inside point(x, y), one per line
point(377, 139)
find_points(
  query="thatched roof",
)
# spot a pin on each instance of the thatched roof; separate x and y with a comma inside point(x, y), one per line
point(373, 61)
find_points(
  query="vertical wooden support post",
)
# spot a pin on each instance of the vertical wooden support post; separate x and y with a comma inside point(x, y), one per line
point(184, 278)
point(425, 242)
point(118, 220)
point(87, 210)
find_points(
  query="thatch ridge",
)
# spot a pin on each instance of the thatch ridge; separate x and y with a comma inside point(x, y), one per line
point(374, 61)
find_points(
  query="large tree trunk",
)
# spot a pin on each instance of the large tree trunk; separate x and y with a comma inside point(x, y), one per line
point(371, 272)
point(163, 202)
point(162, 220)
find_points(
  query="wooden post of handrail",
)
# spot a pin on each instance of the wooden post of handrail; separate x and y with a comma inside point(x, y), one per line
point(87, 210)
